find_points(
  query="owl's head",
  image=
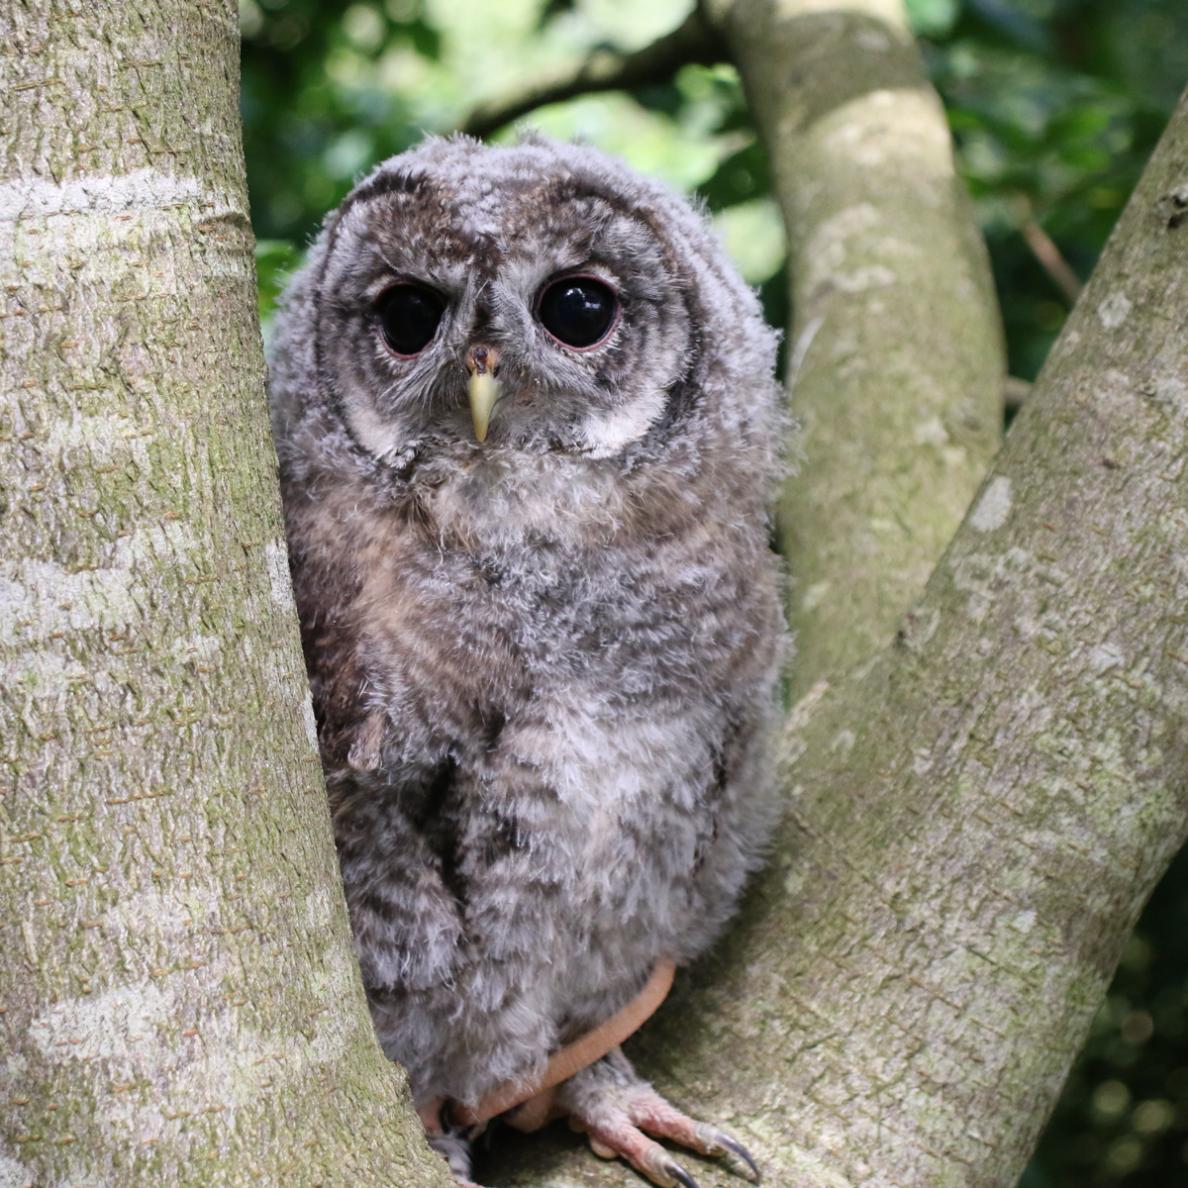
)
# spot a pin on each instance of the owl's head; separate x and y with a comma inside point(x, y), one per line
point(473, 300)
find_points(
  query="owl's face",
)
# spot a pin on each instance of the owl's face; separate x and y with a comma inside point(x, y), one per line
point(458, 261)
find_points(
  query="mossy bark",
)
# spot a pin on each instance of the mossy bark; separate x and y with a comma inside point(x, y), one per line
point(978, 816)
point(179, 1003)
point(895, 346)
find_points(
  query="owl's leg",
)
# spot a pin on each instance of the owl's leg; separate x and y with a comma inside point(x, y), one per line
point(455, 1150)
point(618, 1110)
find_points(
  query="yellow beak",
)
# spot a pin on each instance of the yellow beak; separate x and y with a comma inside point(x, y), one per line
point(484, 392)
point(482, 361)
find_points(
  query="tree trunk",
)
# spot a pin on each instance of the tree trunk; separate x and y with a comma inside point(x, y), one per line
point(179, 1001)
point(978, 817)
point(979, 811)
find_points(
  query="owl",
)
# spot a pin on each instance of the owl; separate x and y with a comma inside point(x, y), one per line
point(528, 434)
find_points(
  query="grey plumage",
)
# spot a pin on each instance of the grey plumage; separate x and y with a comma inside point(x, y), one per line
point(544, 667)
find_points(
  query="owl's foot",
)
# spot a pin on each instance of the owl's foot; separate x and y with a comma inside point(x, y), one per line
point(618, 1110)
point(454, 1148)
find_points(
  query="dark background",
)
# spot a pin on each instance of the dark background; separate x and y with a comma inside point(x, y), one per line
point(1054, 106)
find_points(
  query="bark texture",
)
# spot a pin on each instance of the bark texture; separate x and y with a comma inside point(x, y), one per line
point(179, 1002)
point(977, 820)
point(896, 359)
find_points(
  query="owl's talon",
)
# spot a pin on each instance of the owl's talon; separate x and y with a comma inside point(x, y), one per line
point(737, 1149)
point(618, 1111)
point(681, 1176)
point(709, 1140)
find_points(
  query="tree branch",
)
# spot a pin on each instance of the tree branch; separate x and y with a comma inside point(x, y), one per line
point(896, 347)
point(604, 70)
point(978, 813)
point(979, 817)
point(179, 998)
point(1015, 393)
point(1051, 260)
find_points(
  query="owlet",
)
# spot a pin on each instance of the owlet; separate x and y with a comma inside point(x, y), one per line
point(528, 434)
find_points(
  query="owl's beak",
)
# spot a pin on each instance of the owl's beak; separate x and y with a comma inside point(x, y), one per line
point(482, 362)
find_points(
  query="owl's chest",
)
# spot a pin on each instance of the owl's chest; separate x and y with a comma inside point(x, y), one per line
point(568, 692)
point(513, 623)
point(547, 778)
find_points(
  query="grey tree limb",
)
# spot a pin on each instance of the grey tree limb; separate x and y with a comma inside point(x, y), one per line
point(978, 817)
point(978, 810)
point(179, 1000)
point(895, 347)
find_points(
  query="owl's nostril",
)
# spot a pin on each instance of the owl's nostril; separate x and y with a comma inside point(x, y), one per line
point(482, 358)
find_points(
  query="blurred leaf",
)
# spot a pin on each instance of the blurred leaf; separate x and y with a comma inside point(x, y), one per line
point(276, 260)
point(741, 177)
point(753, 233)
point(1008, 19)
point(553, 8)
point(664, 98)
point(425, 39)
point(932, 18)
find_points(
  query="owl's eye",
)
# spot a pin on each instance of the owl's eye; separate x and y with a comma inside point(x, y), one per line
point(408, 317)
point(578, 310)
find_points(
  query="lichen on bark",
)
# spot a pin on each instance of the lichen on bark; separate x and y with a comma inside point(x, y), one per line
point(896, 353)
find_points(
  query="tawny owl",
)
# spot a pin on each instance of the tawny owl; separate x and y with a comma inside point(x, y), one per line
point(528, 434)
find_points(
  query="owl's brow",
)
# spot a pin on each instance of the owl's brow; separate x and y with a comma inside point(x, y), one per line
point(393, 267)
point(568, 189)
point(383, 184)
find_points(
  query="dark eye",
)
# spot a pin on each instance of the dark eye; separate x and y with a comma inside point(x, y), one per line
point(408, 317)
point(577, 310)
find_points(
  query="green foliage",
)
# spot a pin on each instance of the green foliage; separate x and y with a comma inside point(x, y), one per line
point(328, 90)
point(1054, 105)
point(275, 260)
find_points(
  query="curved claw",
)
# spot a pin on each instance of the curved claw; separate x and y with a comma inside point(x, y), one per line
point(623, 1115)
point(736, 1148)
